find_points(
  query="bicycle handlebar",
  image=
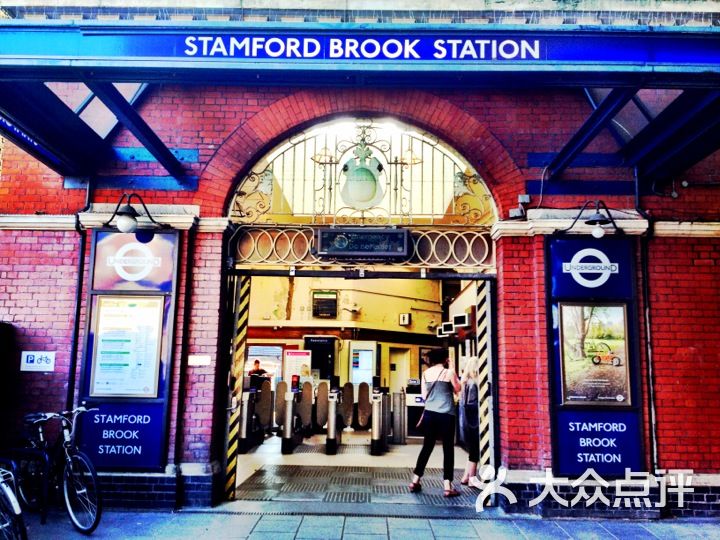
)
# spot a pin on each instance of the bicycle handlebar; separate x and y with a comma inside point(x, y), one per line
point(66, 417)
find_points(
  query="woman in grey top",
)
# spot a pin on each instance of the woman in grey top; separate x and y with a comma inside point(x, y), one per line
point(440, 384)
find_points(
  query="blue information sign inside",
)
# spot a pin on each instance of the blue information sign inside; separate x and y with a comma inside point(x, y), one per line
point(607, 442)
point(600, 269)
point(127, 436)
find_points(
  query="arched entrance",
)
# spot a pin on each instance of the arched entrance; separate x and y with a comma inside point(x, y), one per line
point(365, 235)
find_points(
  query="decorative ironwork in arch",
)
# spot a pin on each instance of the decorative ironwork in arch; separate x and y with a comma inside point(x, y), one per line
point(363, 172)
point(459, 248)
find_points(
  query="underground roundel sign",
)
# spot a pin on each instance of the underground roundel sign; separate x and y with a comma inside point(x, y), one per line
point(590, 268)
point(134, 261)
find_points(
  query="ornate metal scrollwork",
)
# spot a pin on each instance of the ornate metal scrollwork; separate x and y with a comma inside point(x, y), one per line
point(386, 174)
point(432, 248)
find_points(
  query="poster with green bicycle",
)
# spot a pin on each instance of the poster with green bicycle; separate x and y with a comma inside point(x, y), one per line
point(594, 354)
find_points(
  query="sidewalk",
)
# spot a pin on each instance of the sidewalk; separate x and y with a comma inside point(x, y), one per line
point(221, 524)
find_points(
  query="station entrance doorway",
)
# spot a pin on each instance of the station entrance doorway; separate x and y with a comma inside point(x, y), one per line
point(349, 338)
point(357, 245)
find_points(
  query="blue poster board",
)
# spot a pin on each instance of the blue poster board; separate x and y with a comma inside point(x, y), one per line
point(127, 362)
point(593, 337)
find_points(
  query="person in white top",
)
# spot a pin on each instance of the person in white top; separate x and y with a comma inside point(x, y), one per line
point(440, 385)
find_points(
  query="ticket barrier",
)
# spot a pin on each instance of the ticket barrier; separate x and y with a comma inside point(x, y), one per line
point(399, 418)
point(292, 426)
point(386, 421)
point(334, 435)
point(380, 423)
point(376, 436)
point(251, 431)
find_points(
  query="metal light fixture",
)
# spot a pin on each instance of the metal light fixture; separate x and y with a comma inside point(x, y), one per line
point(597, 220)
point(126, 214)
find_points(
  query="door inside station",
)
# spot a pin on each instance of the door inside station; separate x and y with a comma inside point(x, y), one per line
point(399, 368)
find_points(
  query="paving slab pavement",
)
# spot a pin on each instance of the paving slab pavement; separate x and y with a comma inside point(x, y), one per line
point(220, 524)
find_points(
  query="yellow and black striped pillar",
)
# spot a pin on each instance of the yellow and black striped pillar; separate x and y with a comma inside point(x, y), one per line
point(241, 315)
point(483, 329)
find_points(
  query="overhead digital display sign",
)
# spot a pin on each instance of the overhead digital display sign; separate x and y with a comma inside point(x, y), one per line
point(358, 242)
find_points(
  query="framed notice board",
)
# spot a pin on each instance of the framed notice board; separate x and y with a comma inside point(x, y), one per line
point(126, 355)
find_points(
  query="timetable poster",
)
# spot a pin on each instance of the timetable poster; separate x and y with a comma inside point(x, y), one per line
point(126, 360)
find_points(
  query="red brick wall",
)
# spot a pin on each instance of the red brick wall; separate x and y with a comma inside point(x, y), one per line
point(523, 378)
point(37, 295)
point(203, 328)
point(233, 127)
point(685, 296)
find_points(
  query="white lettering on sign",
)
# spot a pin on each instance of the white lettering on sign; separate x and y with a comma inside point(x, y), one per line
point(352, 48)
point(120, 433)
point(619, 427)
point(576, 268)
point(134, 255)
point(115, 440)
point(486, 49)
point(598, 442)
point(251, 47)
point(122, 418)
point(598, 458)
point(115, 449)
point(372, 48)
point(37, 361)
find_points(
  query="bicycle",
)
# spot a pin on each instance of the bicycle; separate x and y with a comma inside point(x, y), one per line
point(12, 525)
point(60, 466)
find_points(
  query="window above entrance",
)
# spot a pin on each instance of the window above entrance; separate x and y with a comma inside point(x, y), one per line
point(363, 172)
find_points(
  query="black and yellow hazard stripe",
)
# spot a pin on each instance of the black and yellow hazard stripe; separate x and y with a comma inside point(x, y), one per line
point(483, 318)
point(241, 317)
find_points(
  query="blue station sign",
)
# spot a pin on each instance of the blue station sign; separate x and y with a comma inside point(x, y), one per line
point(359, 47)
point(596, 392)
point(606, 442)
point(126, 370)
point(124, 436)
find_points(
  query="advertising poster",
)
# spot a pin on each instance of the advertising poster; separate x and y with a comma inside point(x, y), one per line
point(297, 363)
point(594, 354)
point(126, 359)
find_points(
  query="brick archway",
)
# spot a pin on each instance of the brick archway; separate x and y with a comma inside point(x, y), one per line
point(464, 132)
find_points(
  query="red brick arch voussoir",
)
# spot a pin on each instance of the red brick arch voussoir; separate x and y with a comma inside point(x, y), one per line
point(464, 132)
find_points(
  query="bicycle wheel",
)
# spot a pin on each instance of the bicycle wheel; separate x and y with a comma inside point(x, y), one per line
point(12, 525)
point(81, 491)
point(30, 478)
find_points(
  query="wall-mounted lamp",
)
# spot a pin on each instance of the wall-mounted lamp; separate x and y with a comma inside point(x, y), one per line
point(597, 220)
point(126, 214)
